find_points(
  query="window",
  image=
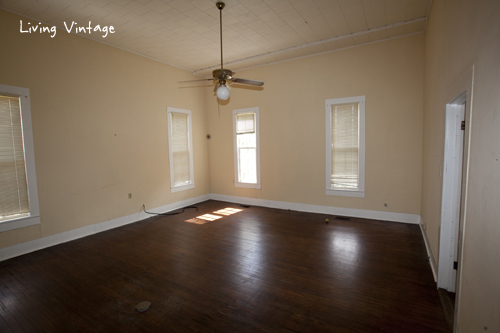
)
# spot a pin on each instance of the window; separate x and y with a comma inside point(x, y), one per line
point(246, 148)
point(18, 190)
point(180, 149)
point(345, 146)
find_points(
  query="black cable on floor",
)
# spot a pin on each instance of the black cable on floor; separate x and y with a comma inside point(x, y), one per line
point(168, 214)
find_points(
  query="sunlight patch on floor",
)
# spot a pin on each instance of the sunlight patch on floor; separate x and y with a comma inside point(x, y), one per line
point(228, 211)
point(202, 219)
point(196, 221)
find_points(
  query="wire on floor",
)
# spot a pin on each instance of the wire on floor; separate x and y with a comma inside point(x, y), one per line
point(168, 214)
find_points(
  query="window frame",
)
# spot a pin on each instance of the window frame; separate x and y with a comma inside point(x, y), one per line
point(171, 153)
point(29, 158)
point(360, 191)
point(236, 181)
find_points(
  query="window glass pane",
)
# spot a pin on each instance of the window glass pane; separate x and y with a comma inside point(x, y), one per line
point(345, 146)
point(247, 165)
point(247, 140)
point(14, 190)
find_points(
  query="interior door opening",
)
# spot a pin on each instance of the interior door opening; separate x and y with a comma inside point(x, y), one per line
point(451, 196)
point(451, 230)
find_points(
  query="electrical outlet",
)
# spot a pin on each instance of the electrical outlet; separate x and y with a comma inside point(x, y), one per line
point(130, 195)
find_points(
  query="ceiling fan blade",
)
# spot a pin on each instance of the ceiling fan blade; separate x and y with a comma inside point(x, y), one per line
point(195, 80)
point(217, 85)
point(246, 81)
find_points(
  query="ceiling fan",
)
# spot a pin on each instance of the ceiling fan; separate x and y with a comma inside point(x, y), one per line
point(224, 76)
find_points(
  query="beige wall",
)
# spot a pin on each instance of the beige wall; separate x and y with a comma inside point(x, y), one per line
point(460, 35)
point(292, 126)
point(99, 126)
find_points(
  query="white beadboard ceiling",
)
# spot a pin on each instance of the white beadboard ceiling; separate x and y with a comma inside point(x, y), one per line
point(185, 33)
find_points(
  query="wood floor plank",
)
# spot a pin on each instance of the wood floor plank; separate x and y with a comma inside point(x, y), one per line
point(39, 316)
point(9, 319)
point(45, 302)
point(4, 326)
point(19, 313)
point(260, 269)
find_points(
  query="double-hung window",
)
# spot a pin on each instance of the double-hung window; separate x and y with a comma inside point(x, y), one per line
point(180, 149)
point(345, 146)
point(18, 190)
point(246, 148)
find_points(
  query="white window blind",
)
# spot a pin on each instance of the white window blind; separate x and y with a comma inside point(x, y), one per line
point(345, 146)
point(245, 123)
point(180, 148)
point(14, 201)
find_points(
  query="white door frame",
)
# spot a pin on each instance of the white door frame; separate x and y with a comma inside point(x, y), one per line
point(451, 196)
point(461, 87)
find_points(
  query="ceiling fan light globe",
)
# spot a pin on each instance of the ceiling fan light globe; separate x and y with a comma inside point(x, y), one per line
point(223, 92)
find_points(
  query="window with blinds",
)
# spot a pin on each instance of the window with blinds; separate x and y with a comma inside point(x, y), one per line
point(345, 146)
point(246, 148)
point(14, 201)
point(181, 160)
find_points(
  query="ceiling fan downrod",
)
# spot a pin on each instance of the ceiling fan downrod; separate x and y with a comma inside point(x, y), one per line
point(221, 6)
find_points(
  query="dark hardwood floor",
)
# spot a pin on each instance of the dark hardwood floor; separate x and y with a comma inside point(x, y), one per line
point(257, 270)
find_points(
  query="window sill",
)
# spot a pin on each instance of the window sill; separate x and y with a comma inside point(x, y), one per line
point(346, 193)
point(182, 188)
point(247, 185)
point(19, 223)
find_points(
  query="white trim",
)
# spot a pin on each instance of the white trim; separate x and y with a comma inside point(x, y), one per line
point(465, 191)
point(247, 185)
point(181, 188)
point(41, 243)
point(319, 42)
point(170, 151)
point(360, 192)
point(317, 54)
point(29, 156)
point(432, 261)
point(19, 223)
point(427, 15)
point(235, 148)
point(346, 193)
point(353, 212)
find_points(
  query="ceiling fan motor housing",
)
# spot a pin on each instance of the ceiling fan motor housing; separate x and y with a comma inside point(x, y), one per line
point(222, 74)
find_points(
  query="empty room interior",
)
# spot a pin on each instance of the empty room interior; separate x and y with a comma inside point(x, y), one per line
point(260, 165)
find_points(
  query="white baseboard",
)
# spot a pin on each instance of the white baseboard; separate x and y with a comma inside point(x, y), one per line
point(361, 213)
point(432, 261)
point(41, 243)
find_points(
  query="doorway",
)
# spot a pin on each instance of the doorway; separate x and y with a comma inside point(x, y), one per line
point(452, 205)
point(451, 196)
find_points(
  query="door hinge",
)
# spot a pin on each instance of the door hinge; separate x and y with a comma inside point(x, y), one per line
point(462, 127)
point(455, 265)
